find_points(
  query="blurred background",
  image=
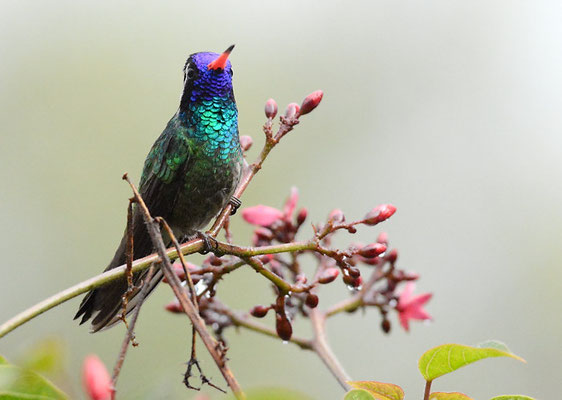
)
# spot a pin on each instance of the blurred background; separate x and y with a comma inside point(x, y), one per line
point(450, 110)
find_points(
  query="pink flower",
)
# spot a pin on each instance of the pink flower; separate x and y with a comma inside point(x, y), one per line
point(96, 379)
point(261, 215)
point(411, 307)
point(291, 203)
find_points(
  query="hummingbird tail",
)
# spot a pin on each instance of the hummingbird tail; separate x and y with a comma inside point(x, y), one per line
point(105, 303)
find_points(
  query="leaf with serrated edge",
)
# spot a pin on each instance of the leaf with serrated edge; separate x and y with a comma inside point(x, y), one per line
point(379, 390)
point(359, 394)
point(449, 396)
point(447, 358)
point(512, 397)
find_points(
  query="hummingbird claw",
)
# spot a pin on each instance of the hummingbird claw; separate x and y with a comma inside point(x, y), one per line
point(235, 202)
point(209, 243)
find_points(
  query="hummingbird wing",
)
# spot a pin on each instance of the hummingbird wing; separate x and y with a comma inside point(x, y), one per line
point(160, 184)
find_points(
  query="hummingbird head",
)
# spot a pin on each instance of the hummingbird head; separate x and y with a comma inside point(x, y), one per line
point(207, 76)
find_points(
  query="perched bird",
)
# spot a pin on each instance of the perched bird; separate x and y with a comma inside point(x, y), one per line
point(189, 175)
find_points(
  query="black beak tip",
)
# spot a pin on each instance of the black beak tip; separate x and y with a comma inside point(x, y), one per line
point(229, 50)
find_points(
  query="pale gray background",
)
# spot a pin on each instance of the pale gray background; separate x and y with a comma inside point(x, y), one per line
point(451, 110)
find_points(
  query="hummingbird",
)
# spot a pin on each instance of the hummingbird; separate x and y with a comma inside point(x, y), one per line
point(189, 175)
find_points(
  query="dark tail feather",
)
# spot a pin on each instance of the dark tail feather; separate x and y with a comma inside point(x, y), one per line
point(106, 301)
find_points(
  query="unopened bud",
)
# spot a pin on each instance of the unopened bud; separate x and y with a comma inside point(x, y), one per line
point(385, 325)
point(270, 108)
point(392, 256)
point(383, 238)
point(301, 216)
point(354, 272)
point(311, 300)
point(336, 216)
point(259, 311)
point(292, 110)
point(379, 214)
point(372, 250)
point(174, 307)
point(311, 102)
point(328, 275)
point(246, 142)
point(215, 261)
point(97, 381)
point(283, 327)
point(353, 282)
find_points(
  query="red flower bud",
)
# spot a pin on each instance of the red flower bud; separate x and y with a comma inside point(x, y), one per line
point(336, 216)
point(292, 110)
point(372, 250)
point(283, 327)
point(270, 108)
point(311, 300)
point(301, 216)
point(246, 142)
point(96, 379)
point(353, 282)
point(383, 238)
point(328, 275)
point(379, 214)
point(311, 102)
point(385, 325)
point(354, 272)
point(392, 256)
point(174, 307)
point(259, 311)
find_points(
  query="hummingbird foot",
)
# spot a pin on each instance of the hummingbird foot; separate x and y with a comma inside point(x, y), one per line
point(235, 202)
point(210, 244)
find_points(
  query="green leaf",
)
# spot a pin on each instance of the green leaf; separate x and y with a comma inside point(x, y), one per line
point(449, 357)
point(18, 383)
point(448, 396)
point(379, 390)
point(359, 394)
point(45, 356)
point(275, 393)
point(512, 397)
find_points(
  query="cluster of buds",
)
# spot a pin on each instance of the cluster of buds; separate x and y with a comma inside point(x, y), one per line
point(295, 293)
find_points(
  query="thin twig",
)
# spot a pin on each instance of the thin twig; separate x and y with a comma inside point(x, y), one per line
point(187, 305)
point(130, 335)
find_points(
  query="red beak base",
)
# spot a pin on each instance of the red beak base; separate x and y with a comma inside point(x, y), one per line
point(220, 62)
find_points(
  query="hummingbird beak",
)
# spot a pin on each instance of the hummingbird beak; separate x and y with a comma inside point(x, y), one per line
point(220, 62)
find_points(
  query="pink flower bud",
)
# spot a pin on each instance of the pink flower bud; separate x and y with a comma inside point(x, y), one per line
point(259, 311)
point(96, 379)
point(379, 214)
point(283, 327)
point(263, 234)
point(270, 108)
point(291, 203)
point(292, 110)
point(392, 256)
point(246, 142)
point(311, 102)
point(311, 300)
point(328, 275)
point(372, 250)
point(336, 216)
point(174, 307)
point(261, 215)
point(383, 238)
point(385, 325)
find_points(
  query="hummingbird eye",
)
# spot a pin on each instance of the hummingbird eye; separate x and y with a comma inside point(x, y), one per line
point(190, 73)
